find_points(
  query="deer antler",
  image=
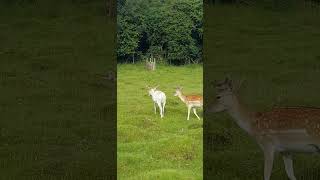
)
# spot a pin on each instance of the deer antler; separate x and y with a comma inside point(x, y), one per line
point(228, 78)
point(238, 85)
point(241, 82)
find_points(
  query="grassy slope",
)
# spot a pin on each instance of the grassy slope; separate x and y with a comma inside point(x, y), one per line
point(150, 147)
point(54, 122)
point(277, 52)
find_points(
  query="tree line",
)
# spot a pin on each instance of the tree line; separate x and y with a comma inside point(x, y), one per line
point(170, 30)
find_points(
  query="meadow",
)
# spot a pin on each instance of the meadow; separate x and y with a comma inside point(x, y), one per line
point(150, 147)
point(57, 114)
point(276, 52)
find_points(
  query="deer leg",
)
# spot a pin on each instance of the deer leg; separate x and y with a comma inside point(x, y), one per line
point(160, 107)
point(195, 113)
point(268, 161)
point(163, 105)
point(155, 108)
point(287, 159)
point(189, 108)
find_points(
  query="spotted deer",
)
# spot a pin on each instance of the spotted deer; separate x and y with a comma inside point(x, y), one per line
point(192, 101)
point(282, 129)
point(159, 98)
point(151, 64)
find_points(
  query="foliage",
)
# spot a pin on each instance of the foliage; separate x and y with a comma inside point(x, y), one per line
point(171, 29)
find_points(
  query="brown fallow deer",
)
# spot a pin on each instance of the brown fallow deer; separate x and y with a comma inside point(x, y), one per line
point(283, 129)
point(192, 101)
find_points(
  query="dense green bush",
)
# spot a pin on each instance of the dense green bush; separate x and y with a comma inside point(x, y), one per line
point(170, 29)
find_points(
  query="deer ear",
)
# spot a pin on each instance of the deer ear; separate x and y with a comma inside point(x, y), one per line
point(228, 81)
point(239, 84)
point(156, 87)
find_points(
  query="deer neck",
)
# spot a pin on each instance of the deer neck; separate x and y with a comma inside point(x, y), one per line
point(153, 95)
point(241, 115)
point(182, 98)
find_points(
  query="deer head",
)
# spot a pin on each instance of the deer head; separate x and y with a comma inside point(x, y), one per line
point(225, 96)
point(178, 91)
point(151, 90)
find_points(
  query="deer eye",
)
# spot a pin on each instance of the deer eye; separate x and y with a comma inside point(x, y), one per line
point(218, 97)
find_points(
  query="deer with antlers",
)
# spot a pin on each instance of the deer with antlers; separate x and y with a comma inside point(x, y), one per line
point(283, 129)
point(158, 98)
point(192, 101)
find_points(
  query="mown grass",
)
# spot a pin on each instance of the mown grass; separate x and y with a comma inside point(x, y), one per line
point(277, 52)
point(57, 120)
point(150, 147)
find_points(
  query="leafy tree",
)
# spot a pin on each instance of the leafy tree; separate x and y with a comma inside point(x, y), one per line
point(128, 38)
point(128, 30)
point(171, 29)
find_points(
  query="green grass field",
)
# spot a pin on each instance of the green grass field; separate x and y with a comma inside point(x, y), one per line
point(150, 147)
point(57, 120)
point(277, 53)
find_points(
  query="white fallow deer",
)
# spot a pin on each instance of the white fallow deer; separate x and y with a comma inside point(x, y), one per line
point(283, 129)
point(192, 101)
point(158, 98)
